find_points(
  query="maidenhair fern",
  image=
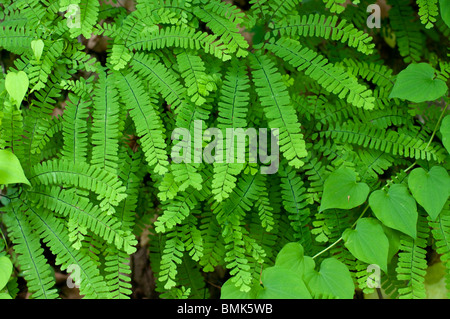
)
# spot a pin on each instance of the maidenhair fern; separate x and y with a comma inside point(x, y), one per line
point(272, 149)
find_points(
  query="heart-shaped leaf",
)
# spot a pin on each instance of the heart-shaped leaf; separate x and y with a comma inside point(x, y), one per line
point(16, 84)
point(368, 242)
point(291, 257)
point(430, 189)
point(417, 83)
point(282, 283)
point(6, 268)
point(333, 279)
point(38, 47)
point(341, 190)
point(395, 208)
point(393, 237)
point(445, 11)
point(445, 131)
point(11, 171)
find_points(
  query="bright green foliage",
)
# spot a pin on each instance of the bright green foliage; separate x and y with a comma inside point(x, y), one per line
point(11, 171)
point(16, 84)
point(341, 190)
point(396, 208)
point(93, 96)
point(430, 189)
point(445, 131)
point(417, 83)
point(6, 268)
point(368, 242)
point(294, 277)
point(445, 11)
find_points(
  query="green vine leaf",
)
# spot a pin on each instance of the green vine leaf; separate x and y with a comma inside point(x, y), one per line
point(11, 171)
point(445, 11)
point(418, 83)
point(341, 190)
point(291, 257)
point(38, 47)
point(6, 268)
point(333, 279)
point(445, 131)
point(16, 83)
point(282, 283)
point(395, 208)
point(368, 242)
point(430, 189)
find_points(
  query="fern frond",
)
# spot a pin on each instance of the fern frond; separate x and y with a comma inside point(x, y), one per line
point(108, 188)
point(74, 127)
point(105, 126)
point(12, 128)
point(335, 6)
point(243, 197)
point(330, 77)
point(149, 127)
point(84, 18)
point(408, 35)
point(412, 263)
point(159, 78)
point(172, 255)
point(177, 209)
point(213, 244)
point(56, 237)
point(197, 82)
point(295, 202)
point(428, 11)
point(189, 275)
point(376, 73)
point(120, 56)
point(33, 264)
point(326, 27)
point(40, 70)
point(117, 271)
point(84, 213)
point(220, 24)
point(278, 109)
point(193, 241)
point(232, 113)
point(241, 253)
point(440, 230)
point(186, 38)
point(386, 141)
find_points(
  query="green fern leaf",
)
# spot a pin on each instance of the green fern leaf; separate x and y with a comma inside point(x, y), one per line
point(332, 78)
point(37, 272)
point(278, 109)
